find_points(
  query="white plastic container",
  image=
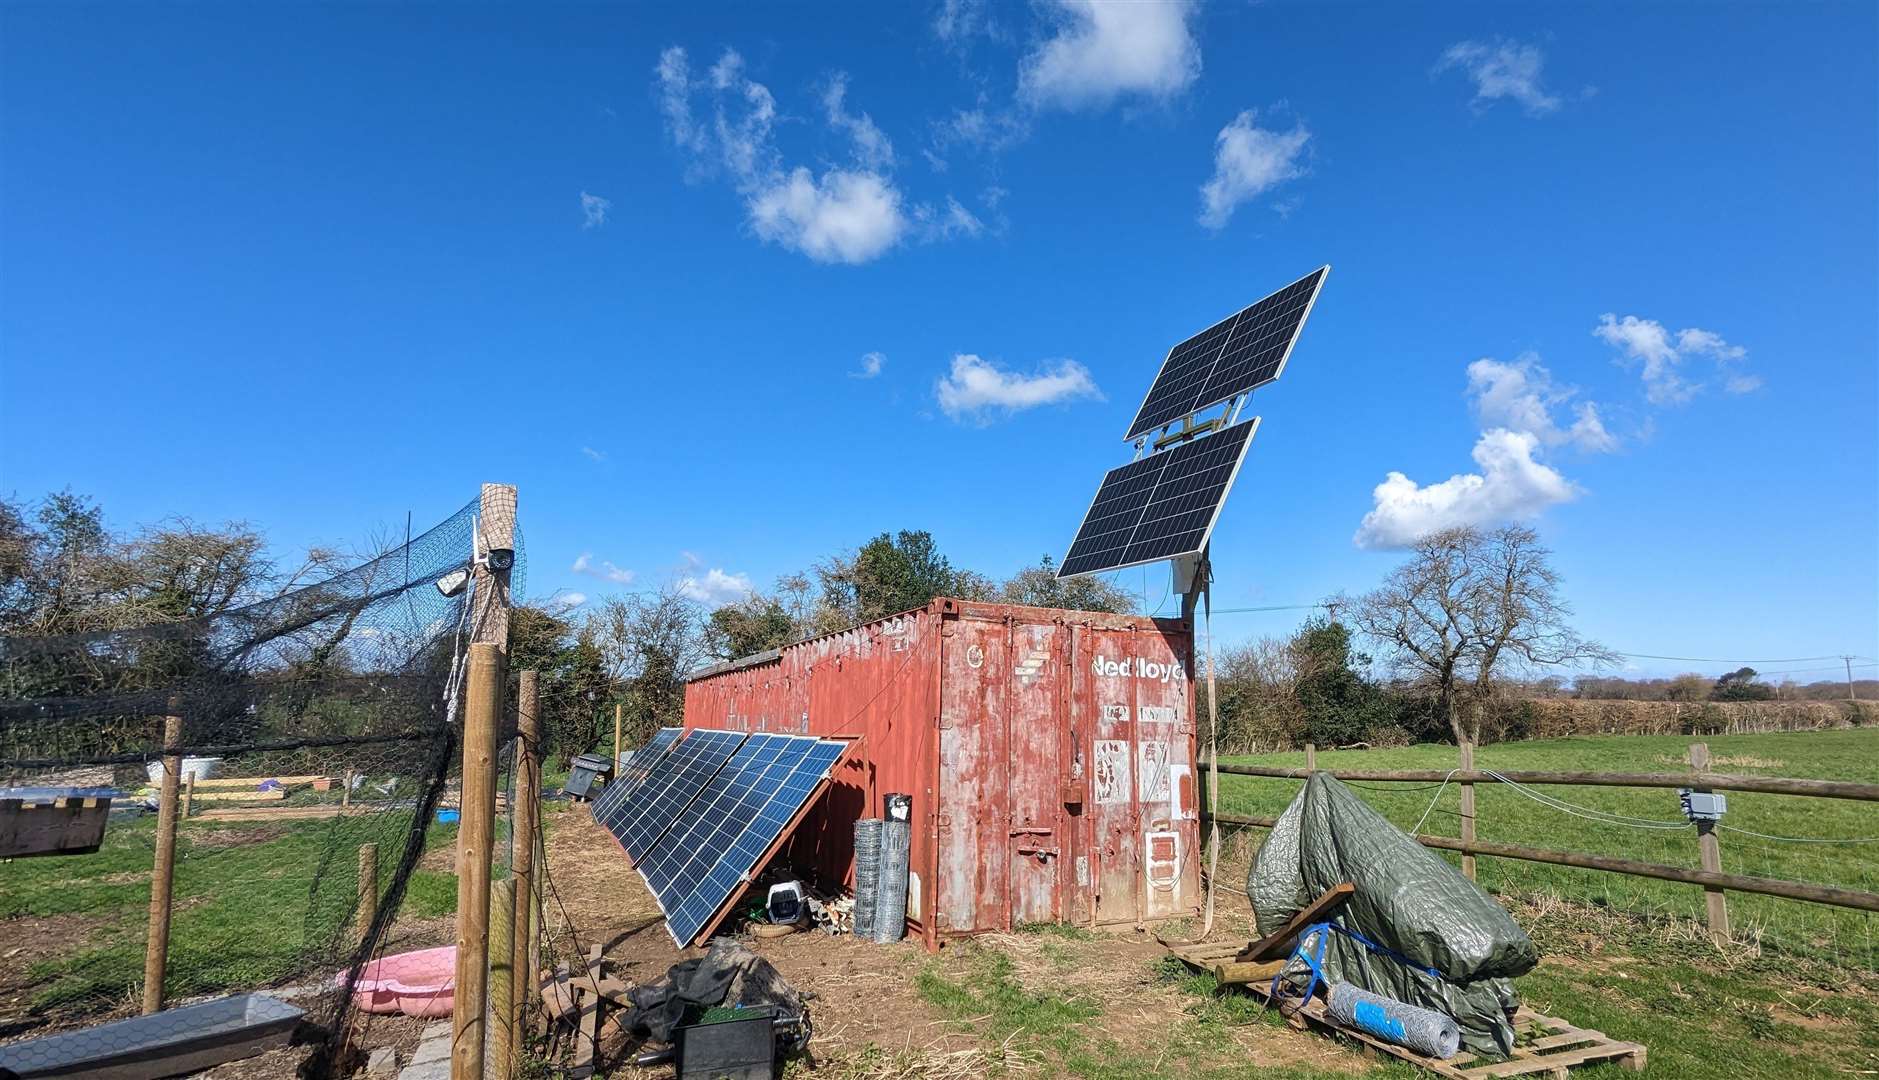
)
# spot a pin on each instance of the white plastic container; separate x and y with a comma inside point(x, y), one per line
point(194, 768)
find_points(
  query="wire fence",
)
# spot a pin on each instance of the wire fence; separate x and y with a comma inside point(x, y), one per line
point(278, 776)
point(1823, 845)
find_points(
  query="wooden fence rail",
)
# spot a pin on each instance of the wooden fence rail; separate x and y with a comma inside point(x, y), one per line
point(1764, 785)
point(1713, 880)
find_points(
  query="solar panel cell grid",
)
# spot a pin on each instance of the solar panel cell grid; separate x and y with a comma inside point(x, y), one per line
point(1241, 352)
point(1184, 487)
point(640, 818)
point(636, 771)
point(719, 878)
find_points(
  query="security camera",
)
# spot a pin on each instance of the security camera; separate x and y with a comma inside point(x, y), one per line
point(499, 558)
point(452, 583)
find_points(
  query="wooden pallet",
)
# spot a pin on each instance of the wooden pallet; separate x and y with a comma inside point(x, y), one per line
point(1545, 1046)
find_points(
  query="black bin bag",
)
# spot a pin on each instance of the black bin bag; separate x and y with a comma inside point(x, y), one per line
point(1408, 900)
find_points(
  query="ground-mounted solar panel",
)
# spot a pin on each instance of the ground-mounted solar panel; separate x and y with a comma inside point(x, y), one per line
point(779, 791)
point(1161, 506)
point(727, 803)
point(1244, 351)
point(643, 815)
point(635, 771)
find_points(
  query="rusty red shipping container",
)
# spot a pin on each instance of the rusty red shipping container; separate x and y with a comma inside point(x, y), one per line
point(1050, 755)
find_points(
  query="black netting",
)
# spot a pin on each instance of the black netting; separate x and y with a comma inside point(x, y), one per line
point(319, 728)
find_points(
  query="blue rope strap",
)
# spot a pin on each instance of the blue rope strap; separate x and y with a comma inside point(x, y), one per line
point(1319, 935)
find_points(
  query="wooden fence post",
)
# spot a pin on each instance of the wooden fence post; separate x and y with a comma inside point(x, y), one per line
point(1709, 849)
point(368, 887)
point(1467, 808)
point(502, 981)
point(189, 794)
point(1311, 757)
point(475, 832)
point(162, 871)
point(526, 815)
point(617, 707)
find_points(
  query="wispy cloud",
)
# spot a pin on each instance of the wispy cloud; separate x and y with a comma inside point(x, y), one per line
point(605, 571)
point(593, 454)
point(872, 148)
point(851, 212)
point(1501, 70)
point(871, 365)
point(1104, 51)
point(567, 600)
point(978, 390)
point(1248, 162)
point(1522, 396)
point(594, 210)
point(1661, 356)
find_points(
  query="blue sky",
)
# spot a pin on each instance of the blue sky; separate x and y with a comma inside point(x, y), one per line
point(1608, 268)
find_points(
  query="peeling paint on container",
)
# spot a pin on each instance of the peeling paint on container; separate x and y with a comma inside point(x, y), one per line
point(1050, 754)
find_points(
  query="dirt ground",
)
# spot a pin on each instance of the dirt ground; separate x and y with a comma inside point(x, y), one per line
point(866, 995)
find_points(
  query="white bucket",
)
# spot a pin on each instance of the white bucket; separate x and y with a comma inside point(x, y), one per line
point(196, 768)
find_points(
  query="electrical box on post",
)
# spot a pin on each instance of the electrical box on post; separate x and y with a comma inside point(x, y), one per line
point(1702, 805)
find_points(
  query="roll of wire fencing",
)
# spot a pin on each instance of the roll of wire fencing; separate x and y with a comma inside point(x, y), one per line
point(1425, 1031)
point(890, 909)
point(867, 875)
point(330, 711)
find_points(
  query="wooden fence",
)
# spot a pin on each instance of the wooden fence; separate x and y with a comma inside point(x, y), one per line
point(1711, 878)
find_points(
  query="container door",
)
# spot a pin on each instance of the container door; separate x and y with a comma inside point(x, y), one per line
point(1164, 778)
point(973, 855)
point(1106, 673)
point(1035, 791)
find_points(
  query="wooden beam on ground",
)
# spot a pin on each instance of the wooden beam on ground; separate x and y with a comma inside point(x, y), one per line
point(277, 795)
point(219, 782)
point(280, 813)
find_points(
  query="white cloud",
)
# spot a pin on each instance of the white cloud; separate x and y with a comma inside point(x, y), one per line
point(845, 215)
point(1511, 485)
point(594, 210)
point(871, 365)
point(1101, 51)
point(1522, 396)
point(605, 571)
point(593, 454)
point(712, 587)
point(1249, 161)
point(568, 600)
point(872, 148)
point(1661, 354)
point(975, 389)
point(1501, 69)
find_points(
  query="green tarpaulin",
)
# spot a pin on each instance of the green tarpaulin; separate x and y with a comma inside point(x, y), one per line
point(1409, 900)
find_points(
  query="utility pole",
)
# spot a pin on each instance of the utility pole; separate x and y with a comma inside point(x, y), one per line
point(1851, 694)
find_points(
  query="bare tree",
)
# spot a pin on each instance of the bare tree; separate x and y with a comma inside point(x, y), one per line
point(1470, 606)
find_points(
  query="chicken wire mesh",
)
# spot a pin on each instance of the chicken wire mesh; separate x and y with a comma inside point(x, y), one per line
point(316, 744)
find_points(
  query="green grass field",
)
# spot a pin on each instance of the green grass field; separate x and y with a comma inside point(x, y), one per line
point(253, 903)
point(1507, 815)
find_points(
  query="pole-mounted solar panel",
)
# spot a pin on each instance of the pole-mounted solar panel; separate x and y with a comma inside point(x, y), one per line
point(1241, 352)
point(1164, 505)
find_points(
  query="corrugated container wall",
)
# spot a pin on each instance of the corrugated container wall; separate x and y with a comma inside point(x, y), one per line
point(1050, 755)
